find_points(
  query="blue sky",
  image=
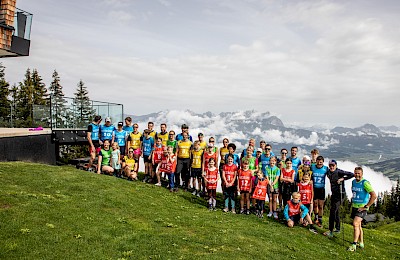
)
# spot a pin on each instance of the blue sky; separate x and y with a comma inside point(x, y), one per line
point(308, 62)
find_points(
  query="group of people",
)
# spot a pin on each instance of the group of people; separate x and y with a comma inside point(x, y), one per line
point(293, 185)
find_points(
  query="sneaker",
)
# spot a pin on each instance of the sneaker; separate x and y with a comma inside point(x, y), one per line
point(361, 245)
point(171, 190)
point(145, 179)
point(319, 224)
point(225, 210)
point(214, 208)
point(248, 212)
point(312, 230)
point(158, 184)
point(241, 211)
point(328, 234)
point(352, 248)
point(275, 215)
point(176, 189)
point(257, 213)
point(198, 194)
point(261, 215)
point(194, 193)
point(233, 211)
point(269, 214)
point(336, 230)
point(210, 208)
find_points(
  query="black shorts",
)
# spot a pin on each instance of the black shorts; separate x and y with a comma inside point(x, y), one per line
point(295, 218)
point(146, 159)
point(196, 173)
point(273, 192)
point(122, 150)
point(319, 193)
point(242, 192)
point(183, 166)
point(356, 213)
point(308, 207)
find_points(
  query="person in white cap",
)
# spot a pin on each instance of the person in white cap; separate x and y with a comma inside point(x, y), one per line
point(107, 131)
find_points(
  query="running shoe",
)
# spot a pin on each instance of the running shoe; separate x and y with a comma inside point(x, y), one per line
point(269, 214)
point(225, 210)
point(198, 194)
point(158, 184)
point(242, 211)
point(336, 230)
point(352, 248)
point(194, 193)
point(361, 245)
point(328, 234)
point(312, 230)
point(275, 215)
point(233, 211)
point(247, 212)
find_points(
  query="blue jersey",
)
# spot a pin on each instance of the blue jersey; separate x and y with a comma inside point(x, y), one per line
point(236, 159)
point(296, 162)
point(179, 137)
point(128, 129)
point(148, 145)
point(264, 162)
point(106, 132)
point(94, 134)
point(360, 194)
point(318, 176)
point(244, 153)
point(120, 137)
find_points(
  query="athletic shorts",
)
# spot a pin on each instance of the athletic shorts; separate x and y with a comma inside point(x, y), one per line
point(196, 173)
point(242, 192)
point(307, 206)
point(269, 190)
point(122, 150)
point(319, 193)
point(295, 218)
point(146, 159)
point(96, 145)
point(356, 213)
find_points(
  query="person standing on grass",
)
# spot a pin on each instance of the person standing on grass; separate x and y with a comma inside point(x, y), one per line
point(336, 177)
point(156, 158)
point(185, 129)
point(202, 143)
point(168, 165)
point(211, 178)
point(183, 164)
point(314, 155)
point(196, 165)
point(273, 173)
point(222, 152)
point(147, 149)
point(229, 173)
point(319, 174)
point(287, 180)
point(296, 162)
point(252, 143)
point(245, 186)
point(121, 137)
point(281, 164)
point(306, 191)
point(107, 131)
point(116, 159)
point(104, 159)
point(135, 139)
point(152, 132)
point(128, 127)
point(171, 140)
point(363, 197)
point(260, 192)
point(93, 137)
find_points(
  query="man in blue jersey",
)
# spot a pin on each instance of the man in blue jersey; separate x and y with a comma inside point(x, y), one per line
point(296, 162)
point(252, 143)
point(319, 171)
point(185, 129)
point(264, 158)
point(147, 146)
point(363, 197)
point(92, 135)
point(107, 131)
point(121, 137)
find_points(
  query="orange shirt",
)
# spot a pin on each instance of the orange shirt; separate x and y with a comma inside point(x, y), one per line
point(229, 172)
point(260, 192)
point(211, 176)
point(245, 180)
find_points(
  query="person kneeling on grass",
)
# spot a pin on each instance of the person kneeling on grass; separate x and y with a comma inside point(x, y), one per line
point(129, 164)
point(295, 212)
point(363, 197)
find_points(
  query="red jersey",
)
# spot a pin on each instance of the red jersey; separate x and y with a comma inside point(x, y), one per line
point(207, 158)
point(305, 190)
point(260, 192)
point(157, 154)
point(167, 165)
point(294, 209)
point(245, 180)
point(229, 171)
point(287, 175)
point(211, 176)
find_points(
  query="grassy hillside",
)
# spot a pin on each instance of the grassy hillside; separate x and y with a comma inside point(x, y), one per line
point(59, 212)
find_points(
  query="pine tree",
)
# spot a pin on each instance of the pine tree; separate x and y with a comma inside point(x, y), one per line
point(41, 102)
point(5, 103)
point(397, 201)
point(59, 111)
point(83, 106)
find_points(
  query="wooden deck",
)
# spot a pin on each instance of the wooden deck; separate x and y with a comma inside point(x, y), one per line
point(10, 132)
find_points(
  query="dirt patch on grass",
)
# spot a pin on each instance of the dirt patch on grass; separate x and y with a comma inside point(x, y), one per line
point(5, 206)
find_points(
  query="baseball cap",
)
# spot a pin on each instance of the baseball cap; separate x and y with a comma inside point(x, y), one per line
point(259, 150)
point(120, 124)
point(332, 162)
point(210, 145)
point(108, 119)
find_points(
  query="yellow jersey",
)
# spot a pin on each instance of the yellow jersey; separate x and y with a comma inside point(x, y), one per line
point(153, 134)
point(135, 140)
point(184, 149)
point(130, 162)
point(203, 145)
point(164, 138)
point(196, 158)
point(222, 152)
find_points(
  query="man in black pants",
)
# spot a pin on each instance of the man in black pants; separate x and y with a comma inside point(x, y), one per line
point(336, 177)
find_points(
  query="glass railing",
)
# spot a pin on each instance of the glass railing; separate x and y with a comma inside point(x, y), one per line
point(22, 24)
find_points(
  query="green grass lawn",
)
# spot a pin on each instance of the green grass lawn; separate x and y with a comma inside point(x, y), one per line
point(49, 212)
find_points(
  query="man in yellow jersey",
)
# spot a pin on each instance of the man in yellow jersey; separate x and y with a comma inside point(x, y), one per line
point(152, 132)
point(222, 152)
point(195, 171)
point(163, 134)
point(202, 143)
point(134, 138)
point(183, 162)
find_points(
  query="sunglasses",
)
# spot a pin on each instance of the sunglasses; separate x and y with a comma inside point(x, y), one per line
point(130, 151)
point(283, 153)
point(269, 149)
point(211, 141)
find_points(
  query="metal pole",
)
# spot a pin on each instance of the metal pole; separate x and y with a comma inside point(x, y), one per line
point(341, 207)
